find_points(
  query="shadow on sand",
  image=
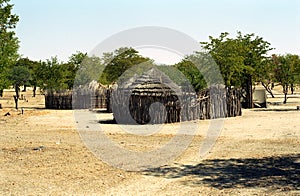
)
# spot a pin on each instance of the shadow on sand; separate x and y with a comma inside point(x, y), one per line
point(108, 121)
point(276, 110)
point(276, 173)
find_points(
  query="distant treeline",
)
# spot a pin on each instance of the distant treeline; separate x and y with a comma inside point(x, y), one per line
point(242, 60)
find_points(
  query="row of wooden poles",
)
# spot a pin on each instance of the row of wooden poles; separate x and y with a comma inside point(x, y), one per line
point(152, 107)
point(149, 108)
point(75, 101)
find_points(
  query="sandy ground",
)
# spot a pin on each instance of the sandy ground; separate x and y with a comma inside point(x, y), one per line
point(42, 153)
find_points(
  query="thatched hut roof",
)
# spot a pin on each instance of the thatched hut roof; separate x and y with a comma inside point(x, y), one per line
point(151, 83)
point(153, 89)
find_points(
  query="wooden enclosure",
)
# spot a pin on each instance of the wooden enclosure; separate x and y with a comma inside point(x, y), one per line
point(144, 107)
point(147, 103)
point(153, 98)
point(58, 100)
point(93, 96)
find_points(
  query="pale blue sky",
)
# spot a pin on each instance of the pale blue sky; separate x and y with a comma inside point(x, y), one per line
point(62, 27)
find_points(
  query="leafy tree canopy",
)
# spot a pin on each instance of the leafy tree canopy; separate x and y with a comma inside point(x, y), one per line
point(9, 44)
point(118, 62)
point(238, 58)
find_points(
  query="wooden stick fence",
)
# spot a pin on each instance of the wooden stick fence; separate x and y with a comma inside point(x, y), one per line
point(78, 99)
point(131, 107)
point(154, 103)
point(58, 100)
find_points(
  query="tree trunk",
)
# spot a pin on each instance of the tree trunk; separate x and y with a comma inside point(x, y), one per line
point(16, 101)
point(272, 86)
point(268, 89)
point(1, 93)
point(16, 97)
point(292, 88)
point(34, 90)
point(249, 98)
point(285, 91)
point(24, 89)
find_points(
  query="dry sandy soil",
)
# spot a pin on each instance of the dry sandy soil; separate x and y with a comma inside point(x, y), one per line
point(41, 153)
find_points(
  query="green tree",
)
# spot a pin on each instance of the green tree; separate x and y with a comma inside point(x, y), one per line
point(18, 76)
point(88, 70)
point(25, 62)
point(255, 52)
point(240, 59)
point(53, 75)
point(8, 42)
point(265, 75)
point(59, 76)
point(226, 53)
point(192, 73)
point(118, 62)
point(297, 71)
point(72, 66)
point(294, 64)
point(286, 71)
point(77, 58)
point(36, 72)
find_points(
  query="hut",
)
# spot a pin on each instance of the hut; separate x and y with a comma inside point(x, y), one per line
point(150, 98)
point(154, 102)
point(154, 98)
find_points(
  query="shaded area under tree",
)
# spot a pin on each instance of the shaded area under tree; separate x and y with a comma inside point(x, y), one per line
point(274, 173)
